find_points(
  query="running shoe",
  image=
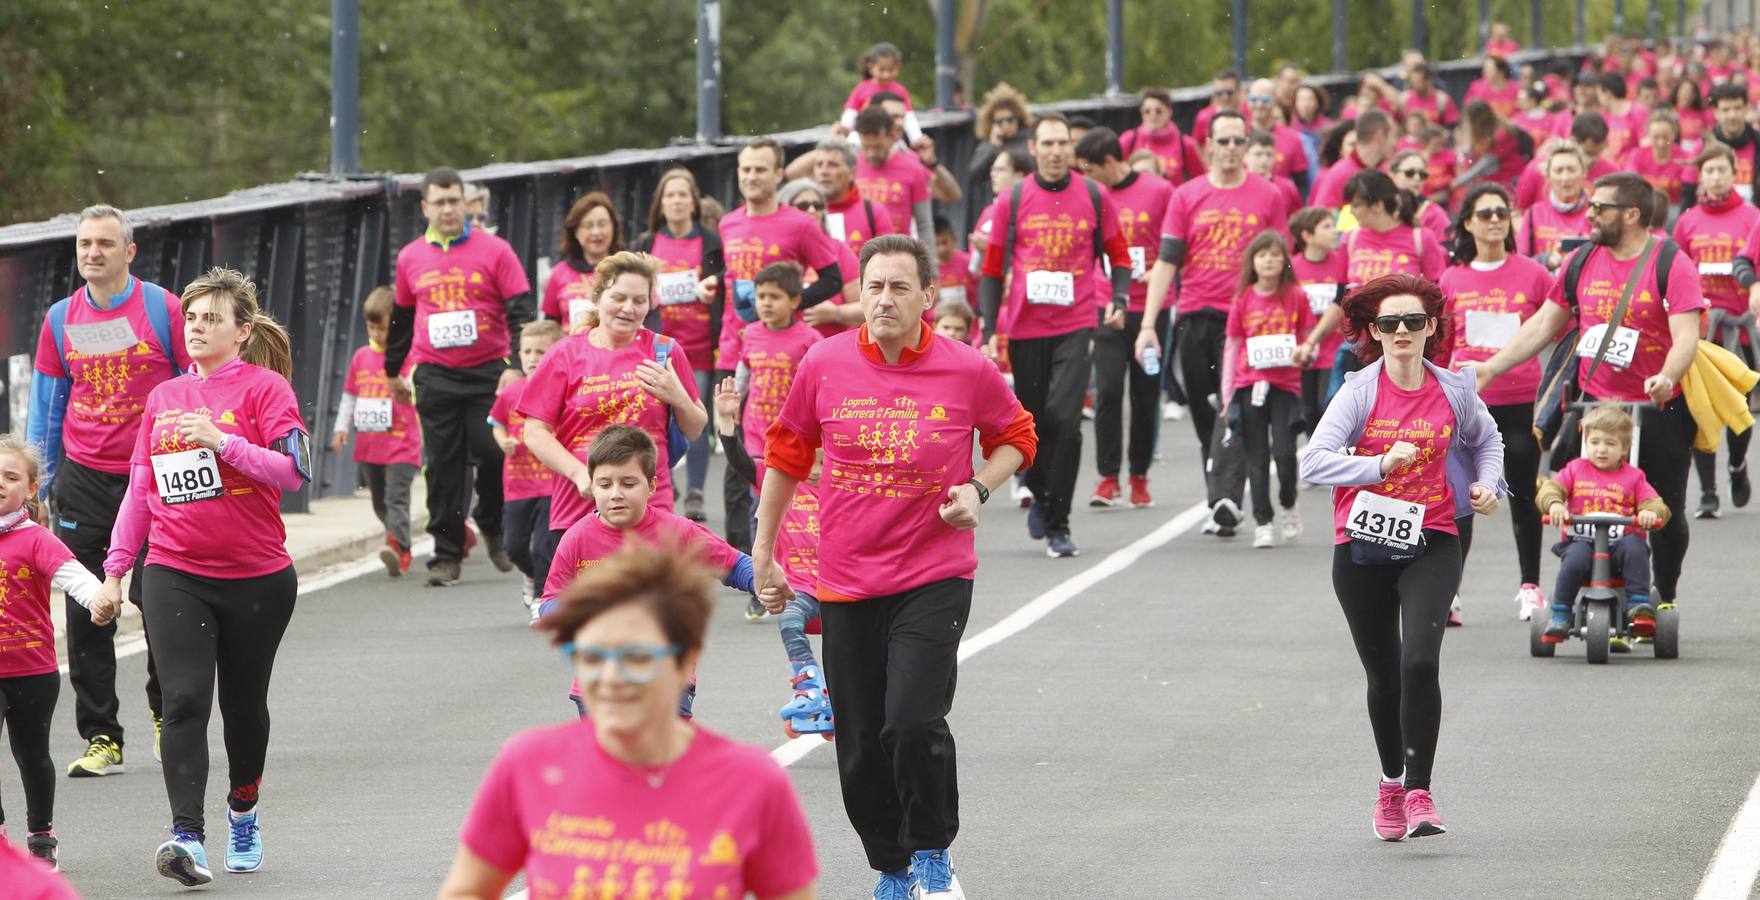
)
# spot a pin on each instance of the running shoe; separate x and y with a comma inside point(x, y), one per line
point(1088, 405)
point(1390, 811)
point(899, 885)
point(1023, 498)
point(1642, 616)
point(1421, 817)
point(1559, 629)
point(41, 845)
point(1225, 514)
point(693, 507)
point(1264, 536)
point(183, 859)
point(1036, 522)
point(103, 756)
point(442, 572)
point(388, 556)
point(470, 541)
point(935, 878)
point(498, 556)
point(1106, 493)
point(1529, 600)
point(755, 611)
point(1060, 546)
point(1140, 498)
point(1173, 412)
point(1211, 528)
point(526, 597)
point(1707, 506)
point(244, 845)
point(158, 733)
point(1454, 613)
point(1741, 490)
point(1289, 524)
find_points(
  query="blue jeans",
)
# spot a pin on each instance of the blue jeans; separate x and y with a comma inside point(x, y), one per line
point(1630, 556)
point(792, 622)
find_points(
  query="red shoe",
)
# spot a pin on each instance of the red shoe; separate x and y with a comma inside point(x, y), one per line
point(1390, 812)
point(395, 558)
point(470, 540)
point(1106, 493)
point(1140, 498)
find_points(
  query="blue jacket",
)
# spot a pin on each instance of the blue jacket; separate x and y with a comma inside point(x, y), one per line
point(1475, 454)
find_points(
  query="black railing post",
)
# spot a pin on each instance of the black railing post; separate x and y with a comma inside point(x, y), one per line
point(345, 87)
point(708, 70)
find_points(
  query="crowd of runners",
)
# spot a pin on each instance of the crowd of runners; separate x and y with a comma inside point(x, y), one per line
point(1427, 290)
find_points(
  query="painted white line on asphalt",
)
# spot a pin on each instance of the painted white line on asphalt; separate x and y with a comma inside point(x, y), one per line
point(328, 577)
point(1041, 606)
point(1734, 868)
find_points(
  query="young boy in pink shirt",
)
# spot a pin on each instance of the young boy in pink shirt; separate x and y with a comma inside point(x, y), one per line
point(526, 483)
point(1602, 481)
point(388, 437)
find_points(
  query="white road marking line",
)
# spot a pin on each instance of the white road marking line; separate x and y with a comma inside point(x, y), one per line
point(1038, 608)
point(1736, 864)
point(328, 577)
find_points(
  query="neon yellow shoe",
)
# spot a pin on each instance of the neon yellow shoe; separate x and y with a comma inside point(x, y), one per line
point(103, 756)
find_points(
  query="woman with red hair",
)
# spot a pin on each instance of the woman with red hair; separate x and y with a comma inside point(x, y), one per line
point(1408, 448)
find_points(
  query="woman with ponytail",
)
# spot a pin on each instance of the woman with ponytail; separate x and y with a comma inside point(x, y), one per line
point(217, 447)
point(1388, 239)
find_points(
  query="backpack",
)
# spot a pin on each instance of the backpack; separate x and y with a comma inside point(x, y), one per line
point(676, 442)
point(1558, 379)
point(1014, 202)
point(160, 319)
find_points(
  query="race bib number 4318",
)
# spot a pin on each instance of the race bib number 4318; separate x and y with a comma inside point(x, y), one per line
point(1385, 521)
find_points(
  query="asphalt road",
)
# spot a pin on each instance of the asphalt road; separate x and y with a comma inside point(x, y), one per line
point(1189, 725)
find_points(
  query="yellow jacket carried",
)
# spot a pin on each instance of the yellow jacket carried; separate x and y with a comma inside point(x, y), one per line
point(1716, 387)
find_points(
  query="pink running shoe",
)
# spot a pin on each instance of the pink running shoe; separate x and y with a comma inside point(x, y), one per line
point(1421, 817)
point(1528, 600)
point(1390, 812)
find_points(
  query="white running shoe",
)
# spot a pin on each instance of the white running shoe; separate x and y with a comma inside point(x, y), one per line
point(1173, 412)
point(1528, 600)
point(1023, 497)
point(1289, 523)
point(1264, 536)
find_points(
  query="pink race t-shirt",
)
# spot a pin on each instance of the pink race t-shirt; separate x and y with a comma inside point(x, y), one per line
point(1711, 234)
point(589, 541)
point(1291, 156)
point(115, 360)
point(1610, 493)
point(955, 280)
point(1543, 229)
point(1624, 131)
point(855, 220)
point(1501, 100)
point(1486, 307)
point(683, 317)
point(772, 357)
point(864, 91)
point(29, 556)
point(1257, 319)
point(1424, 419)
point(568, 295)
point(1400, 250)
point(1532, 188)
point(1328, 189)
point(1142, 201)
point(1052, 291)
point(797, 541)
point(1666, 176)
point(896, 438)
point(580, 390)
point(1165, 142)
point(377, 440)
point(1320, 281)
point(523, 477)
point(897, 186)
point(460, 292)
point(254, 403)
point(1648, 341)
point(722, 820)
point(1437, 107)
point(751, 243)
point(1216, 225)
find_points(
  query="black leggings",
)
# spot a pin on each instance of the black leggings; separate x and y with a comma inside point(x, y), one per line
point(1397, 616)
point(202, 626)
point(27, 706)
point(1268, 435)
point(1521, 466)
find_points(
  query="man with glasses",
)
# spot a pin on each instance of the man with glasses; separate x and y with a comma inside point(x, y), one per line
point(849, 216)
point(1375, 142)
point(1049, 230)
point(462, 298)
point(1209, 223)
point(1292, 159)
point(1225, 94)
point(1651, 347)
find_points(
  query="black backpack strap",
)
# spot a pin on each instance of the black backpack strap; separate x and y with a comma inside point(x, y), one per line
point(1664, 262)
point(1573, 274)
point(1094, 197)
point(1014, 200)
point(868, 207)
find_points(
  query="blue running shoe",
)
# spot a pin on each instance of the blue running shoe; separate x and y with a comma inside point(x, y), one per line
point(935, 878)
point(1036, 522)
point(183, 858)
point(899, 885)
point(244, 846)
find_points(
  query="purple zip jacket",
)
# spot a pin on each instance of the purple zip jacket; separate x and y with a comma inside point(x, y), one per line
point(1328, 461)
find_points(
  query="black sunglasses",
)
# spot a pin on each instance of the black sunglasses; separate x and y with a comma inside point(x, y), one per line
point(1414, 322)
point(1005, 120)
point(1596, 207)
point(1230, 141)
point(1413, 173)
point(1492, 214)
point(808, 205)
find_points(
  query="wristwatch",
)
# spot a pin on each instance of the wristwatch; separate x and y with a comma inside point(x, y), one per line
point(220, 448)
point(983, 492)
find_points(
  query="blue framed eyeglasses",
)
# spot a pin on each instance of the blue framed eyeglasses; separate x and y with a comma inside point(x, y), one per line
point(636, 663)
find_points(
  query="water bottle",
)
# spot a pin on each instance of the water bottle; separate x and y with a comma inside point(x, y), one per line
point(1151, 361)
